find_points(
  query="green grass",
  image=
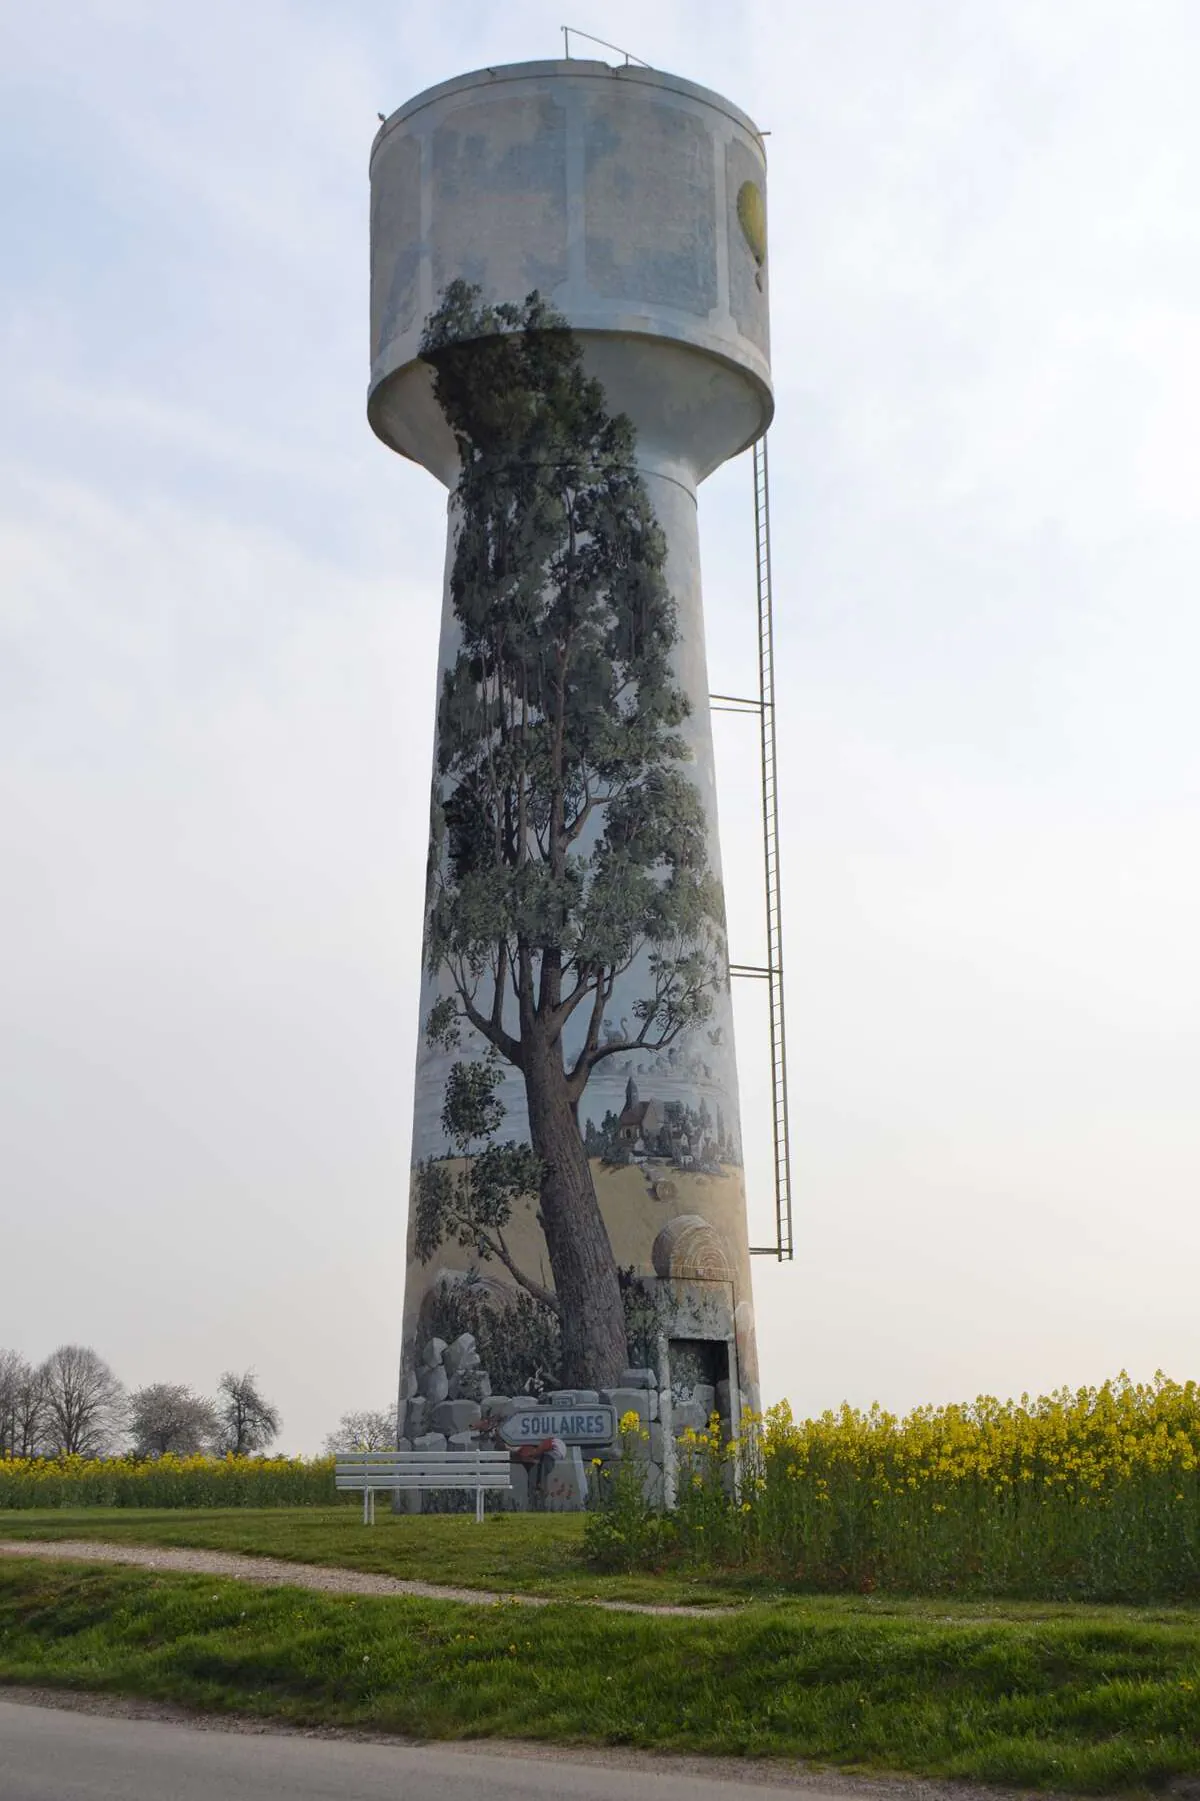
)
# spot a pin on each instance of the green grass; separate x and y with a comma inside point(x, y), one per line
point(1091, 1699)
point(511, 1553)
point(537, 1554)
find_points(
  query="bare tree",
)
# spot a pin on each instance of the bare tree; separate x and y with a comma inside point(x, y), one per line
point(245, 1420)
point(365, 1431)
point(167, 1416)
point(10, 1365)
point(21, 1405)
point(84, 1405)
point(29, 1411)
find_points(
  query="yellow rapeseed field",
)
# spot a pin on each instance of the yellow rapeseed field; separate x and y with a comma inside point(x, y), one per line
point(166, 1482)
point(1089, 1494)
point(1092, 1492)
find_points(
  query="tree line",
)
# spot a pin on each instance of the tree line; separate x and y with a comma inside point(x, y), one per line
point(73, 1405)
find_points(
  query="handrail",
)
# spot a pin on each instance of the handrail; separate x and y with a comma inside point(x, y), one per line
point(570, 31)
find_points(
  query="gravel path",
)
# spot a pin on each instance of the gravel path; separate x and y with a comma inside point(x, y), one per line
point(274, 1571)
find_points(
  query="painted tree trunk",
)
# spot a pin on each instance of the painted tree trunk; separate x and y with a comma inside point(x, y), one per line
point(577, 1241)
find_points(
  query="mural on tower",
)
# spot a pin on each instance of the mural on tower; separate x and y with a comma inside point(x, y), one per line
point(569, 327)
point(577, 1019)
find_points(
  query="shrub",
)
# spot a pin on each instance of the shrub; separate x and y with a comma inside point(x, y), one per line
point(517, 1338)
point(625, 1527)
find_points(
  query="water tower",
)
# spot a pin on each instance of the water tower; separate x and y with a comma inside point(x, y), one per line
point(569, 330)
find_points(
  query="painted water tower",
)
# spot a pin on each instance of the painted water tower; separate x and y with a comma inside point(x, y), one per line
point(569, 330)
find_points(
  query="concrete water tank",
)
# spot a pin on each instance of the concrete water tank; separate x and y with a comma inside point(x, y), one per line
point(569, 330)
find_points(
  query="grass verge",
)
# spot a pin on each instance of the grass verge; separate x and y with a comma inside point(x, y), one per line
point(1092, 1700)
point(536, 1554)
point(511, 1553)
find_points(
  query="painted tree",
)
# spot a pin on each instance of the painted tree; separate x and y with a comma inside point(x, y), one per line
point(473, 1201)
point(569, 842)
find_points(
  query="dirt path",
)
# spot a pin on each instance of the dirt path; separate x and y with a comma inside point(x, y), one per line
point(275, 1571)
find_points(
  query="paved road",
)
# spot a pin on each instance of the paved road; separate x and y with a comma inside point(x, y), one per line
point(51, 1754)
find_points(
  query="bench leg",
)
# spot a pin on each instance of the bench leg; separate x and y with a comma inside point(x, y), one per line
point(479, 1506)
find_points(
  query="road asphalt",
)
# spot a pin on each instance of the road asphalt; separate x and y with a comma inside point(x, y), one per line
point(53, 1754)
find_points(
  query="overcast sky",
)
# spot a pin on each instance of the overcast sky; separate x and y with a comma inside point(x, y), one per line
point(218, 612)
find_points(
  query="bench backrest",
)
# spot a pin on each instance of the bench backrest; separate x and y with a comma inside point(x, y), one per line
point(400, 1469)
point(374, 1460)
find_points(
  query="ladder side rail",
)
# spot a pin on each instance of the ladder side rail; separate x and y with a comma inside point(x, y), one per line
point(770, 810)
point(772, 970)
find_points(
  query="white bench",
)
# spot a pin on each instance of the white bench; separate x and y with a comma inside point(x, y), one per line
point(390, 1471)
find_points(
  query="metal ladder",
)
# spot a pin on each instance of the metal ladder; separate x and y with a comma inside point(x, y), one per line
point(771, 971)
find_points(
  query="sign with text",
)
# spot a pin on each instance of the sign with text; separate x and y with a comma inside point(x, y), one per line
point(574, 1425)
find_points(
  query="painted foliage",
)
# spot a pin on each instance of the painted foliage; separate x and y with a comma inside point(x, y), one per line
point(578, 1031)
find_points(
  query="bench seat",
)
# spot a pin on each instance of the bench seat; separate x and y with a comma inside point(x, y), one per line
point(395, 1471)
